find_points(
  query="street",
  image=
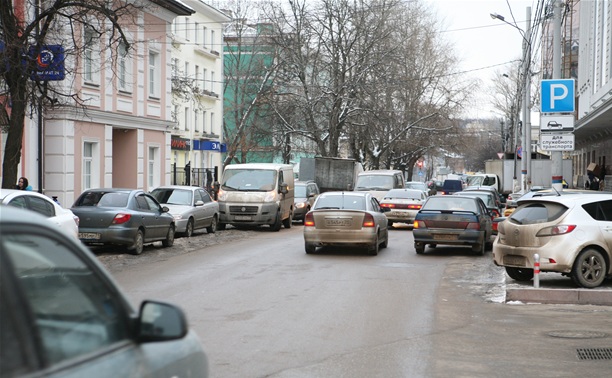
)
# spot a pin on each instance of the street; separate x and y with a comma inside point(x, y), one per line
point(264, 308)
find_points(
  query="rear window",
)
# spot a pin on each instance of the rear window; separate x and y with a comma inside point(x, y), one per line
point(533, 213)
point(103, 199)
point(346, 202)
point(450, 203)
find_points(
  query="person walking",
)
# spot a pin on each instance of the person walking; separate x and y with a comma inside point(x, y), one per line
point(23, 184)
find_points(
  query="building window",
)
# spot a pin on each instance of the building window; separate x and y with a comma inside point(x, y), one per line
point(212, 81)
point(89, 57)
point(154, 74)
point(196, 120)
point(212, 122)
point(91, 168)
point(186, 31)
point(204, 73)
point(124, 68)
point(153, 171)
point(212, 39)
point(204, 121)
point(187, 118)
point(186, 73)
point(197, 34)
point(198, 84)
point(203, 35)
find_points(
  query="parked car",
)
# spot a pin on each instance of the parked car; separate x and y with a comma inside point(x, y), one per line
point(403, 205)
point(451, 186)
point(488, 197)
point(418, 185)
point(126, 217)
point(499, 199)
point(305, 194)
point(191, 207)
point(64, 316)
point(25, 199)
point(346, 219)
point(453, 220)
point(572, 234)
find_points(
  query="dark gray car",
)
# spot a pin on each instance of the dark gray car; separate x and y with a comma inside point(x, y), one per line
point(127, 217)
point(64, 316)
point(305, 194)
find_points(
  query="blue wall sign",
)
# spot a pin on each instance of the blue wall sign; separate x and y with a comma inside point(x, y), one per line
point(557, 96)
point(49, 62)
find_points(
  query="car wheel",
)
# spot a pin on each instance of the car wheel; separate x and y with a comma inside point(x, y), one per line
point(189, 228)
point(589, 269)
point(287, 222)
point(520, 274)
point(213, 225)
point(419, 248)
point(374, 249)
point(433, 245)
point(479, 249)
point(385, 244)
point(138, 246)
point(221, 226)
point(310, 248)
point(276, 226)
point(169, 240)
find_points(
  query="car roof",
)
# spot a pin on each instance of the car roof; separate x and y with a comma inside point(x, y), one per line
point(186, 187)
point(7, 192)
point(416, 192)
point(578, 198)
point(15, 216)
point(379, 172)
point(345, 193)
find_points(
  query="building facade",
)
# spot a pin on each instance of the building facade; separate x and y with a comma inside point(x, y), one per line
point(197, 77)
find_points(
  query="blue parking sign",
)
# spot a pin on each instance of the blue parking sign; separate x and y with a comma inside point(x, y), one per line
point(557, 96)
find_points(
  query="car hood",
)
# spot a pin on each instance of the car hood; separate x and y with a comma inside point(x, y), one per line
point(177, 209)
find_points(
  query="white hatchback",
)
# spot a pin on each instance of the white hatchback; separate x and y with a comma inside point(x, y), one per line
point(572, 234)
point(26, 199)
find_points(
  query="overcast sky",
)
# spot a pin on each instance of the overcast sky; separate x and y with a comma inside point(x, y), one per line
point(483, 45)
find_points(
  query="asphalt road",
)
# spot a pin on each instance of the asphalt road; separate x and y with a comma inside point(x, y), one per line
point(263, 308)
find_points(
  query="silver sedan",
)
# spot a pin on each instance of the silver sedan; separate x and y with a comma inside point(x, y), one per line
point(191, 207)
point(346, 219)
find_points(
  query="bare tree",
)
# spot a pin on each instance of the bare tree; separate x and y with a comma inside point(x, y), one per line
point(507, 90)
point(26, 28)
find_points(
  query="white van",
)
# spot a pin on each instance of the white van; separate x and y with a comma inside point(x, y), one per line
point(256, 194)
point(379, 182)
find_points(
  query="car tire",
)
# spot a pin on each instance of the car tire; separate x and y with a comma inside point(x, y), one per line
point(479, 249)
point(213, 225)
point(169, 240)
point(520, 274)
point(310, 248)
point(138, 245)
point(276, 226)
point(374, 249)
point(221, 226)
point(419, 248)
point(589, 269)
point(189, 229)
point(287, 222)
point(433, 245)
point(385, 244)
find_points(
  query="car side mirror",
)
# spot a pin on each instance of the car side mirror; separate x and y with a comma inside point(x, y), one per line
point(199, 203)
point(165, 209)
point(158, 321)
point(284, 188)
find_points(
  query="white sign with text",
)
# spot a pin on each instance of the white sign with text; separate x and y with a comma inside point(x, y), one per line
point(558, 142)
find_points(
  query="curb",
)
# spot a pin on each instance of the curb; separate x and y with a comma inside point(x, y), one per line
point(560, 296)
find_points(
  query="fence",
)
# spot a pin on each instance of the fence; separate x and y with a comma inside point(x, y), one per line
point(204, 177)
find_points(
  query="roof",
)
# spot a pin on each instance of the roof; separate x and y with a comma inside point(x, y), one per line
point(259, 166)
point(175, 6)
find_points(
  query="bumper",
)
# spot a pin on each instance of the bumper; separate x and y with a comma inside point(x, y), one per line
point(401, 216)
point(347, 238)
point(248, 213)
point(447, 237)
point(299, 213)
point(522, 257)
point(121, 236)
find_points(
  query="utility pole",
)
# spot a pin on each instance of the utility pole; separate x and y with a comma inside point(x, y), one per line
point(557, 156)
point(526, 159)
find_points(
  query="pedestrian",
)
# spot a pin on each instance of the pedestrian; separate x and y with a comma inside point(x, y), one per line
point(23, 184)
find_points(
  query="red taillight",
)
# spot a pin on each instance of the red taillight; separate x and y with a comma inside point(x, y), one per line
point(557, 230)
point(368, 220)
point(419, 224)
point(496, 214)
point(495, 226)
point(473, 226)
point(121, 218)
point(389, 205)
point(414, 207)
point(309, 220)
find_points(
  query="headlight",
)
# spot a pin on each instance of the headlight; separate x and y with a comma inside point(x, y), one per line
point(271, 196)
point(178, 217)
point(300, 205)
point(222, 195)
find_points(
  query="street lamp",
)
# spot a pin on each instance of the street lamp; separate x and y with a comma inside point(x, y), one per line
point(526, 159)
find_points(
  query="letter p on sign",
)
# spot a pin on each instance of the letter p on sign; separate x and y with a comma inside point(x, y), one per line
point(557, 96)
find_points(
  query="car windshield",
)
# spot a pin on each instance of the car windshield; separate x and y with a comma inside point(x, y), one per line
point(300, 191)
point(374, 182)
point(416, 185)
point(103, 199)
point(257, 180)
point(343, 202)
point(173, 196)
point(475, 180)
point(450, 203)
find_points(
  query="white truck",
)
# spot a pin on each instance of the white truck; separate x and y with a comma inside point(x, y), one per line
point(540, 175)
point(330, 174)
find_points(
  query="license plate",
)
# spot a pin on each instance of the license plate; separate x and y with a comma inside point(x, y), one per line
point(399, 214)
point(445, 237)
point(514, 260)
point(337, 222)
point(243, 217)
point(89, 235)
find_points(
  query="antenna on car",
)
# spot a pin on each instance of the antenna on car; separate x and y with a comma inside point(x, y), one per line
point(558, 194)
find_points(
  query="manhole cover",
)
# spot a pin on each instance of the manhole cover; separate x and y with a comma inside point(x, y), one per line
point(577, 334)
